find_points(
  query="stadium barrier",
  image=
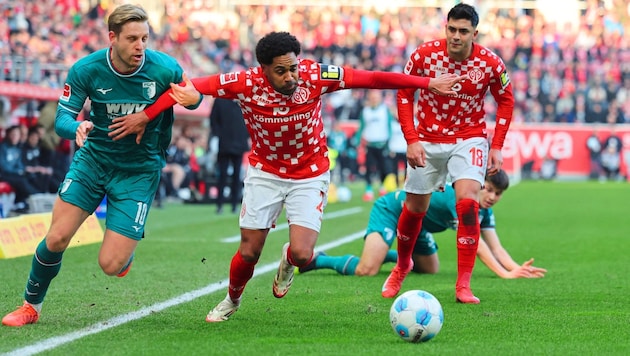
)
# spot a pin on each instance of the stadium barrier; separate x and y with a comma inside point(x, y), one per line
point(19, 236)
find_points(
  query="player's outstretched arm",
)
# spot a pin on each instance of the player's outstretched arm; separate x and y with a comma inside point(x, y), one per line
point(137, 122)
point(493, 255)
point(442, 85)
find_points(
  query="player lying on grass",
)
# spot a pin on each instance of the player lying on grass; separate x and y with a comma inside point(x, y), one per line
point(381, 232)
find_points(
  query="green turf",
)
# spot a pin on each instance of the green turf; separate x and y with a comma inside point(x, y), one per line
point(578, 231)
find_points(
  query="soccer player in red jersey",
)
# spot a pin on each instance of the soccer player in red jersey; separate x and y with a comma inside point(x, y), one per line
point(289, 165)
point(451, 140)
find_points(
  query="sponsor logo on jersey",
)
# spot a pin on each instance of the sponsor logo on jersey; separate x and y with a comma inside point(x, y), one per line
point(329, 72)
point(438, 69)
point(300, 95)
point(149, 89)
point(228, 78)
point(103, 90)
point(67, 92)
point(505, 79)
point(475, 75)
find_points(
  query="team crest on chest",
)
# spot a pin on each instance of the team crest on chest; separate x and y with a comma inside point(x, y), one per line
point(148, 89)
point(475, 75)
point(300, 96)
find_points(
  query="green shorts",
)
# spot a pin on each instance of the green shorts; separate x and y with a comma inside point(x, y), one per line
point(385, 223)
point(129, 194)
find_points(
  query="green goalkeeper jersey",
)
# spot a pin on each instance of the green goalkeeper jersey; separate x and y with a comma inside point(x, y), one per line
point(113, 94)
point(441, 214)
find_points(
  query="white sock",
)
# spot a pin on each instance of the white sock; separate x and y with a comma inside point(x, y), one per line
point(37, 307)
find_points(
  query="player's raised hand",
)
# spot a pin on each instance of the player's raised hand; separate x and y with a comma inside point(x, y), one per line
point(416, 156)
point(495, 161)
point(82, 132)
point(185, 93)
point(444, 84)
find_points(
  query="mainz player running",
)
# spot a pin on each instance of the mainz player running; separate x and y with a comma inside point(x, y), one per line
point(288, 165)
point(450, 140)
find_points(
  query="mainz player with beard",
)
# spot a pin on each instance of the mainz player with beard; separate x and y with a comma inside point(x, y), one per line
point(451, 140)
point(288, 164)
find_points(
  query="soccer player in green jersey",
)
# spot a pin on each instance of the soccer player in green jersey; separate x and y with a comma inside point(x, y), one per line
point(122, 79)
point(381, 232)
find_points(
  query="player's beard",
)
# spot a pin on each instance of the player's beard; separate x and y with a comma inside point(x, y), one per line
point(287, 89)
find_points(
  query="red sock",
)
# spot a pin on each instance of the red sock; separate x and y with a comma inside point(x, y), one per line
point(468, 232)
point(241, 272)
point(409, 226)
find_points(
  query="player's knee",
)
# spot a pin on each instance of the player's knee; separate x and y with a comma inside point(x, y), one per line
point(57, 242)
point(363, 270)
point(300, 257)
point(110, 267)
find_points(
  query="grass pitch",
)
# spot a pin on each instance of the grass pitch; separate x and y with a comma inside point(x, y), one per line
point(578, 231)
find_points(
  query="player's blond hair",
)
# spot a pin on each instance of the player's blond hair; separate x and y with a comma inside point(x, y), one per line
point(123, 14)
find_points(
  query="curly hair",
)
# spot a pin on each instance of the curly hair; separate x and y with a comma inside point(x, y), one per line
point(276, 44)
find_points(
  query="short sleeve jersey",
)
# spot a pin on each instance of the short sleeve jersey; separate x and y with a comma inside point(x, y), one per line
point(113, 94)
point(444, 119)
point(441, 214)
point(287, 132)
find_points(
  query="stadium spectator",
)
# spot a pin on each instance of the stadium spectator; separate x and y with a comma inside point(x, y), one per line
point(450, 140)
point(177, 173)
point(203, 39)
point(611, 155)
point(375, 122)
point(12, 169)
point(38, 163)
point(126, 171)
point(381, 227)
point(594, 147)
point(227, 125)
point(289, 164)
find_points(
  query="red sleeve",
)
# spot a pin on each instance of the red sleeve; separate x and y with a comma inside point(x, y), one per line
point(356, 78)
point(162, 103)
point(505, 110)
point(202, 84)
point(405, 102)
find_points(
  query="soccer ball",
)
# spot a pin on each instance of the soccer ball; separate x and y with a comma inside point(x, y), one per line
point(416, 316)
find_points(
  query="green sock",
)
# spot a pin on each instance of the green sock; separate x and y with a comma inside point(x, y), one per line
point(392, 256)
point(345, 265)
point(44, 268)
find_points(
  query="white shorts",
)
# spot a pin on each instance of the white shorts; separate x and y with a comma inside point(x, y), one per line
point(463, 160)
point(265, 194)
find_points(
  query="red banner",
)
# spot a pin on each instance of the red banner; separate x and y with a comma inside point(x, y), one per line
point(565, 143)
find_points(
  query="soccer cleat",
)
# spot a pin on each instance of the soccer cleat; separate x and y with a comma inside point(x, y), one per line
point(311, 265)
point(283, 279)
point(25, 314)
point(223, 310)
point(465, 295)
point(393, 283)
point(125, 271)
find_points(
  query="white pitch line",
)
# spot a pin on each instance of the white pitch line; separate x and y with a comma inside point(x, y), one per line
point(327, 216)
point(54, 342)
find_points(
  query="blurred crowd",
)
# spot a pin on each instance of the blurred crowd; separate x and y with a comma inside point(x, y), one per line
point(562, 71)
point(574, 69)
